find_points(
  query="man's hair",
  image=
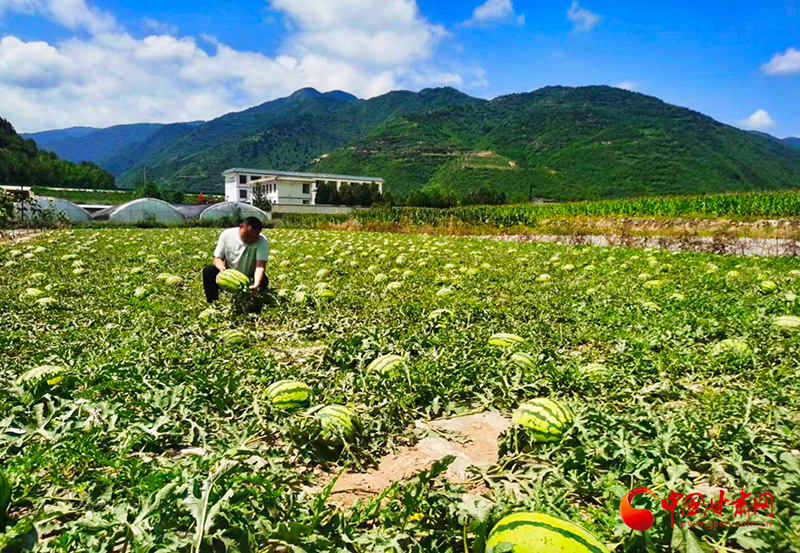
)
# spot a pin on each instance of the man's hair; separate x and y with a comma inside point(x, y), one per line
point(254, 223)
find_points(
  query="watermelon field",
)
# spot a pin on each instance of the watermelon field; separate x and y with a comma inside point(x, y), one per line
point(135, 419)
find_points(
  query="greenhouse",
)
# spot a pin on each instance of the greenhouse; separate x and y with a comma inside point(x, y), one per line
point(149, 210)
point(51, 208)
point(233, 211)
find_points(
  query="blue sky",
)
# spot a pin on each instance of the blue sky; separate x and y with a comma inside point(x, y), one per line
point(104, 62)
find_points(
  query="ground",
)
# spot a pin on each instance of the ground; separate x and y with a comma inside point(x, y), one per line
point(158, 435)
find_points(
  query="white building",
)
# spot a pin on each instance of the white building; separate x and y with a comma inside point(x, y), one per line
point(284, 187)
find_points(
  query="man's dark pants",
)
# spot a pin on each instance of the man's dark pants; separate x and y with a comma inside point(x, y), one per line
point(211, 288)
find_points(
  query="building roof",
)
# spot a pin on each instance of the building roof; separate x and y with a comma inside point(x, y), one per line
point(301, 175)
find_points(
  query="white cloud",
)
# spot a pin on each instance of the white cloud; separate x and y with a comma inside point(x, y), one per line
point(494, 11)
point(627, 85)
point(377, 32)
point(72, 14)
point(759, 120)
point(109, 76)
point(583, 20)
point(783, 64)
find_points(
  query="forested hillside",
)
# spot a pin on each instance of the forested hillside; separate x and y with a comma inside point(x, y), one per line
point(557, 142)
point(23, 163)
point(569, 143)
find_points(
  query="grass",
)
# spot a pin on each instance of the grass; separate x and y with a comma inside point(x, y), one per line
point(110, 197)
point(160, 437)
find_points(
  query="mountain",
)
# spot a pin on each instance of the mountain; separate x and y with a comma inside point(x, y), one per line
point(792, 142)
point(107, 147)
point(22, 163)
point(286, 133)
point(556, 142)
point(569, 143)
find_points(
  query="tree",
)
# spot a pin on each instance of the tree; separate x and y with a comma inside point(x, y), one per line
point(484, 196)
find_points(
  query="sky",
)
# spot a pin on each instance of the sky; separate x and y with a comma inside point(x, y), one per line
point(106, 62)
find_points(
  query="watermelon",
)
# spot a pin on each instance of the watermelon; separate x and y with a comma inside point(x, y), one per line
point(337, 422)
point(530, 532)
point(444, 292)
point(544, 278)
point(163, 276)
point(140, 292)
point(208, 313)
point(174, 280)
point(289, 395)
point(651, 306)
point(322, 273)
point(652, 284)
point(677, 296)
point(767, 286)
point(47, 302)
point(503, 339)
point(5, 497)
point(33, 292)
point(524, 360)
point(544, 419)
point(788, 323)
point(594, 370)
point(233, 281)
point(731, 346)
point(233, 337)
point(386, 364)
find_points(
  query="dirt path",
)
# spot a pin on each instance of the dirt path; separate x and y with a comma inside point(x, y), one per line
point(471, 439)
point(763, 247)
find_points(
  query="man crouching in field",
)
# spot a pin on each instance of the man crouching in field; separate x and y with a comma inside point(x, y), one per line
point(244, 249)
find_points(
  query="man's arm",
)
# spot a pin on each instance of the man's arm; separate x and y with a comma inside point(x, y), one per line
point(219, 252)
point(259, 276)
point(219, 263)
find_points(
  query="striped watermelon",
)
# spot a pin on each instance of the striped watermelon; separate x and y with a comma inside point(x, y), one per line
point(789, 323)
point(233, 337)
point(233, 281)
point(5, 497)
point(289, 395)
point(208, 313)
point(530, 532)
point(174, 280)
point(524, 360)
point(767, 286)
point(337, 422)
point(386, 364)
point(731, 346)
point(503, 339)
point(544, 419)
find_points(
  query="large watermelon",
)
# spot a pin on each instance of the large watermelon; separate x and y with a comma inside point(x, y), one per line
point(233, 337)
point(337, 422)
point(788, 323)
point(504, 339)
point(524, 360)
point(530, 532)
point(544, 419)
point(386, 364)
point(233, 281)
point(289, 395)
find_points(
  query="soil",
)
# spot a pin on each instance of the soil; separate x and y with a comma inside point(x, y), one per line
point(472, 439)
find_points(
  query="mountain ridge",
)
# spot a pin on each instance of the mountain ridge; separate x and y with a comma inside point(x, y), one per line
point(558, 142)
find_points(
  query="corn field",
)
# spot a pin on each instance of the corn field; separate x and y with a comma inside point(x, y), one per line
point(752, 205)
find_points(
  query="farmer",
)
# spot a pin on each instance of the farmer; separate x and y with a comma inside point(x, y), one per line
point(244, 249)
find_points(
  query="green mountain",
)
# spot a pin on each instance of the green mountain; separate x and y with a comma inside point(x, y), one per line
point(22, 163)
point(569, 143)
point(283, 134)
point(110, 147)
point(792, 142)
point(556, 142)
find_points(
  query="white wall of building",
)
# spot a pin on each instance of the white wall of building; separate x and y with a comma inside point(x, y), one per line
point(289, 190)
